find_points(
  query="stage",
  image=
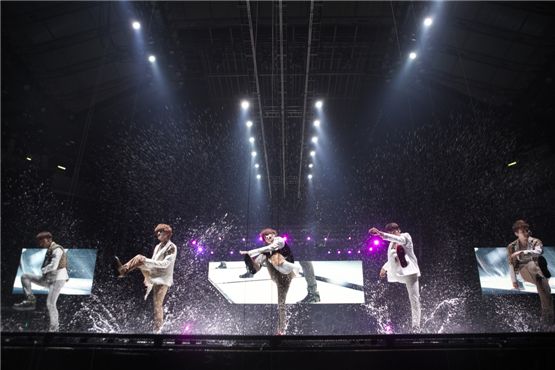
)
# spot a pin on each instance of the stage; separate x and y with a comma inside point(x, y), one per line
point(449, 351)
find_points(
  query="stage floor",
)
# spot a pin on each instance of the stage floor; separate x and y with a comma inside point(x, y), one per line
point(449, 351)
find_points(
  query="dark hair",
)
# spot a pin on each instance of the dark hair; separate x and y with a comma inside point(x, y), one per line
point(520, 225)
point(44, 235)
point(392, 226)
point(267, 231)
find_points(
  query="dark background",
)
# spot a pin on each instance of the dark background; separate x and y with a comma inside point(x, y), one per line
point(423, 143)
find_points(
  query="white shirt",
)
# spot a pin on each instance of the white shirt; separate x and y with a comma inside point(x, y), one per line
point(160, 266)
point(395, 272)
point(51, 270)
point(277, 244)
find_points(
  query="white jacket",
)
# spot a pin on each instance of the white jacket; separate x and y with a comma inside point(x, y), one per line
point(277, 244)
point(160, 266)
point(396, 273)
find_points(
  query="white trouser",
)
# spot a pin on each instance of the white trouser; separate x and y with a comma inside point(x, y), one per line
point(285, 268)
point(54, 289)
point(413, 290)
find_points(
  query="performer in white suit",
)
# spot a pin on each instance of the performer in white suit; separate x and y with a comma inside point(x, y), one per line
point(157, 271)
point(402, 266)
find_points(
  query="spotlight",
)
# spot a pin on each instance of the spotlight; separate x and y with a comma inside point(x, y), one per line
point(312, 153)
point(310, 165)
point(308, 238)
point(244, 239)
point(285, 237)
point(310, 176)
point(151, 58)
point(319, 104)
point(231, 252)
point(316, 123)
point(251, 139)
point(315, 139)
point(349, 238)
point(61, 167)
point(260, 238)
point(338, 252)
point(428, 21)
point(29, 158)
point(136, 25)
point(256, 165)
point(245, 104)
point(258, 177)
point(349, 252)
point(253, 154)
point(194, 242)
point(412, 55)
point(326, 239)
point(370, 249)
point(200, 249)
point(329, 252)
point(511, 164)
point(249, 123)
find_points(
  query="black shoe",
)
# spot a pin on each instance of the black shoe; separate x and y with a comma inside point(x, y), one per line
point(222, 266)
point(542, 263)
point(26, 305)
point(246, 275)
point(311, 298)
point(119, 267)
point(401, 256)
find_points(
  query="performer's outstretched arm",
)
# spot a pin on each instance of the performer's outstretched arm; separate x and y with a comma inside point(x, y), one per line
point(277, 244)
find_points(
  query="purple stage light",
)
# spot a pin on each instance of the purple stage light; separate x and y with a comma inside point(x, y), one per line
point(194, 242)
point(211, 252)
point(338, 252)
point(349, 252)
point(371, 249)
point(308, 238)
point(349, 238)
point(285, 237)
point(376, 242)
point(326, 239)
point(244, 239)
point(329, 252)
point(200, 249)
point(260, 238)
point(358, 252)
point(231, 252)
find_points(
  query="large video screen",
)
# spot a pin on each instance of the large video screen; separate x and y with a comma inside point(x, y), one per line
point(493, 268)
point(339, 282)
point(81, 264)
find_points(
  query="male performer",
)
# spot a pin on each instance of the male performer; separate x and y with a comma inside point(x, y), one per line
point(278, 258)
point(402, 266)
point(313, 296)
point(157, 271)
point(524, 259)
point(54, 276)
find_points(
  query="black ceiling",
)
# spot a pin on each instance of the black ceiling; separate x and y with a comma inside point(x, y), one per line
point(75, 56)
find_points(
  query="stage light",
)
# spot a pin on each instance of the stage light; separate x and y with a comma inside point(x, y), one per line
point(370, 249)
point(259, 238)
point(251, 139)
point(338, 252)
point(314, 139)
point(28, 158)
point(249, 123)
point(349, 238)
point(200, 249)
point(244, 239)
point(211, 252)
point(231, 252)
point(194, 242)
point(319, 104)
point(376, 242)
point(253, 154)
point(151, 58)
point(258, 177)
point(310, 176)
point(358, 252)
point(285, 237)
point(310, 165)
point(308, 238)
point(312, 153)
point(316, 123)
point(428, 21)
point(136, 25)
point(412, 55)
point(511, 164)
point(329, 252)
point(349, 252)
point(256, 165)
point(61, 167)
point(326, 239)
point(245, 104)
